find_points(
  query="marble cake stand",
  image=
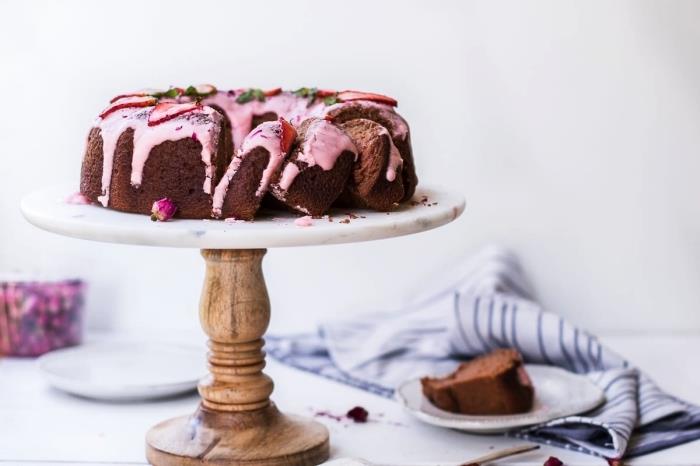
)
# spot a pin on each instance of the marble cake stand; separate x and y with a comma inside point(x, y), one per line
point(236, 423)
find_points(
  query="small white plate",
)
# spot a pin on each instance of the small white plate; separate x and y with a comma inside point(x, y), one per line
point(124, 371)
point(558, 393)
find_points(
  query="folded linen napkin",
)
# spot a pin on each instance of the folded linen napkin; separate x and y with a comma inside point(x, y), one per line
point(487, 304)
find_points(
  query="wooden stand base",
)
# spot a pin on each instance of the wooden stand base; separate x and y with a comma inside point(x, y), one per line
point(261, 437)
point(236, 424)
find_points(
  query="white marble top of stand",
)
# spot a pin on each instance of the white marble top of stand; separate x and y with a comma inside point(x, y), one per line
point(48, 209)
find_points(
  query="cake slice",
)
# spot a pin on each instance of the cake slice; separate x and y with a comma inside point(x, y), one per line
point(382, 113)
point(316, 171)
point(376, 181)
point(257, 164)
point(495, 383)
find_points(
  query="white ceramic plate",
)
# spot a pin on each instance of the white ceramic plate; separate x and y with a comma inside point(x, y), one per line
point(124, 371)
point(558, 393)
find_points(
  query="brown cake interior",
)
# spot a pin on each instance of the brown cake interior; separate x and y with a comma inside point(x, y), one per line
point(368, 186)
point(495, 383)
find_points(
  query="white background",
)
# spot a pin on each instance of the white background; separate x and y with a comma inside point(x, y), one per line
point(573, 129)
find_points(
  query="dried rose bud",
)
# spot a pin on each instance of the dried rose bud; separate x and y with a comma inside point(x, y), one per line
point(552, 461)
point(163, 210)
point(358, 414)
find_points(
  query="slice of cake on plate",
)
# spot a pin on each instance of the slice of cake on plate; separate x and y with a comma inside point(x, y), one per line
point(495, 383)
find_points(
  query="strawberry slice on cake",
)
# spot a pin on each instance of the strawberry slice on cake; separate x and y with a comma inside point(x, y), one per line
point(129, 102)
point(167, 111)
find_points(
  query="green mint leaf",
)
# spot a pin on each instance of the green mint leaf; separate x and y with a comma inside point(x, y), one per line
point(170, 93)
point(251, 94)
point(245, 97)
point(312, 96)
point(330, 100)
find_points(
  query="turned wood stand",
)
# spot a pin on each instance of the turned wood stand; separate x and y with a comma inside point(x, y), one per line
point(236, 423)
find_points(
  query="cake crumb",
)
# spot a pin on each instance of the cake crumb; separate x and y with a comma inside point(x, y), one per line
point(305, 221)
point(77, 199)
point(347, 220)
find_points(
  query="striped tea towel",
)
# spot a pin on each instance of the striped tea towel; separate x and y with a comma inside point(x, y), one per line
point(487, 303)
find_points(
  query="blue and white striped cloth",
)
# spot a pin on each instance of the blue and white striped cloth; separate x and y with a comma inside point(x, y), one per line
point(487, 304)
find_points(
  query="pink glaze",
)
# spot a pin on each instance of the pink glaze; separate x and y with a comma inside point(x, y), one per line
point(202, 124)
point(395, 159)
point(267, 135)
point(78, 199)
point(322, 146)
point(285, 104)
point(305, 221)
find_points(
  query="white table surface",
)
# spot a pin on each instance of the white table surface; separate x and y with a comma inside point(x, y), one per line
point(39, 425)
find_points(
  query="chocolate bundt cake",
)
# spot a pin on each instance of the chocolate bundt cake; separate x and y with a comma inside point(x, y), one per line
point(495, 383)
point(220, 153)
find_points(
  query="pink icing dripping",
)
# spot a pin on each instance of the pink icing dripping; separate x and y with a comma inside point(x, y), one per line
point(206, 130)
point(267, 135)
point(322, 146)
point(395, 159)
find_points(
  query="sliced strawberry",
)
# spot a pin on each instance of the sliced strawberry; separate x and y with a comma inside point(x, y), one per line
point(273, 92)
point(141, 93)
point(288, 135)
point(133, 94)
point(128, 102)
point(325, 93)
point(167, 111)
point(346, 96)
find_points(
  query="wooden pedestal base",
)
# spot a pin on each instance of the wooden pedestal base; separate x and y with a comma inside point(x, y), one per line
point(236, 423)
point(260, 437)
